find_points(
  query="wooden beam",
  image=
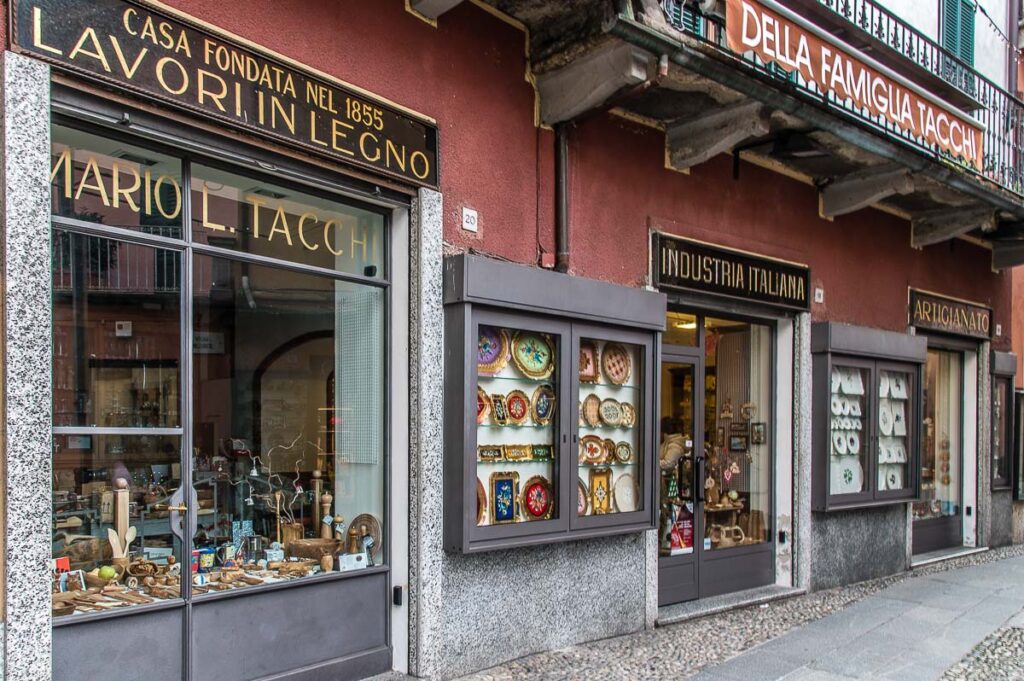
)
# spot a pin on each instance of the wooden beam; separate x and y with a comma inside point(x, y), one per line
point(432, 9)
point(1007, 254)
point(941, 225)
point(590, 81)
point(698, 139)
point(863, 188)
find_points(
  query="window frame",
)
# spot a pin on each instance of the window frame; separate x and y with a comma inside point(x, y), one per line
point(87, 113)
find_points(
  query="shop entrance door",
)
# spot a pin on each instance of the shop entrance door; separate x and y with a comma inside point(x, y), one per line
point(716, 463)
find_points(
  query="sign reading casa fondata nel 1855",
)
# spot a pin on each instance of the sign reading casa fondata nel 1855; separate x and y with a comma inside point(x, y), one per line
point(147, 51)
point(949, 315)
point(694, 266)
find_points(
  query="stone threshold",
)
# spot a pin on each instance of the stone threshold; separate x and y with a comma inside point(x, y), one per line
point(945, 554)
point(681, 612)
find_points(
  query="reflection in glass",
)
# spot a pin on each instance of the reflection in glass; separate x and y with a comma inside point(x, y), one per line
point(1000, 444)
point(943, 432)
point(680, 329)
point(737, 433)
point(611, 423)
point(288, 420)
point(116, 333)
point(111, 521)
point(847, 433)
point(517, 414)
point(95, 179)
point(675, 456)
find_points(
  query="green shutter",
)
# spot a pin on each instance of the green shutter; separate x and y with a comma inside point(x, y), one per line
point(967, 10)
point(951, 26)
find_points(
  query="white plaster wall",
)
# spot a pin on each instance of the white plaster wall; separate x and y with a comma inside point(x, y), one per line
point(921, 14)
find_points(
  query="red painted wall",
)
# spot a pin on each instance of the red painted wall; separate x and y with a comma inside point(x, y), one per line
point(1018, 322)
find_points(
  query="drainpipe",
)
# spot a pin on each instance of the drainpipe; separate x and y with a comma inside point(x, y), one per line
point(561, 198)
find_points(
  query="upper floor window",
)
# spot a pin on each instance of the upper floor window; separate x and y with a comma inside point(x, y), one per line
point(958, 28)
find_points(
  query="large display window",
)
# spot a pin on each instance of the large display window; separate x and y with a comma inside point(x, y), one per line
point(865, 432)
point(218, 392)
point(559, 444)
point(1004, 445)
point(942, 450)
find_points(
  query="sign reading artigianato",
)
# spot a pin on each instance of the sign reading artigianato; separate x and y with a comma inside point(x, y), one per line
point(777, 39)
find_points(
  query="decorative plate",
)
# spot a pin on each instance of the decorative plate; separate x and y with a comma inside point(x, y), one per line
point(518, 452)
point(628, 415)
point(623, 452)
point(481, 502)
point(537, 502)
point(883, 384)
point(839, 443)
point(600, 490)
point(899, 423)
point(836, 380)
point(610, 412)
point(626, 494)
point(483, 406)
point(854, 407)
point(491, 350)
point(609, 449)
point(591, 449)
point(845, 406)
point(589, 373)
point(499, 410)
point(582, 497)
point(540, 452)
point(852, 443)
point(532, 354)
point(885, 418)
point(615, 363)
point(884, 453)
point(372, 525)
point(898, 387)
point(592, 410)
point(518, 405)
point(504, 507)
point(846, 380)
point(837, 405)
point(490, 452)
point(894, 478)
point(542, 406)
point(847, 476)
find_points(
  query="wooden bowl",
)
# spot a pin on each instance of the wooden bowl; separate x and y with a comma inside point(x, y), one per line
point(313, 548)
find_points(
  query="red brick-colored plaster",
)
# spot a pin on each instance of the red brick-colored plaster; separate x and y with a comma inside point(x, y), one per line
point(1018, 322)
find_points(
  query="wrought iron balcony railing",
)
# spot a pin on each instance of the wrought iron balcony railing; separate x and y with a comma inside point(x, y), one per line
point(1000, 112)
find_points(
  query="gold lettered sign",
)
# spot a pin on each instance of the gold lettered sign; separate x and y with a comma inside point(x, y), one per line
point(689, 265)
point(148, 51)
point(949, 315)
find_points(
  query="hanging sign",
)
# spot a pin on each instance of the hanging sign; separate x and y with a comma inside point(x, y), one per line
point(688, 265)
point(779, 37)
point(152, 53)
point(949, 315)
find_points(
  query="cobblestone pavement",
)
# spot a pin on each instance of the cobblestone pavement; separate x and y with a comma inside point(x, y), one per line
point(685, 649)
point(1000, 657)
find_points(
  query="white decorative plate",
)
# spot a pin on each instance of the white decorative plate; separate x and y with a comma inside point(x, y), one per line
point(625, 494)
point(839, 443)
point(899, 423)
point(836, 379)
point(898, 386)
point(853, 443)
point(885, 418)
point(894, 477)
point(854, 407)
point(837, 405)
point(883, 384)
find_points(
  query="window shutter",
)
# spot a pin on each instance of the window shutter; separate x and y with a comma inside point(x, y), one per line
point(951, 26)
point(967, 10)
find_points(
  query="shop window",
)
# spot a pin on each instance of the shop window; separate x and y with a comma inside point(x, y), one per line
point(1002, 432)
point(680, 329)
point(942, 446)
point(865, 428)
point(738, 414)
point(281, 388)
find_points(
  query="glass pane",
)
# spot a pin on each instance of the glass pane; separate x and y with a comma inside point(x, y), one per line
point(289, 426)
point(517, 420)
point(894, 408)
point(737, 416)
point(253, 216)
point(1000, 445)
point(680, 329)
point(611, 422)
point(943, 427)
point(111, 523)
point(848, 405)
point(675, 457)
point(116, 333)
point(103, 180)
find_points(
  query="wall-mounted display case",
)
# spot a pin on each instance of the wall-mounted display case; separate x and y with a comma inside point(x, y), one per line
point(1003, 368)
point(866, 416)
point(549, 391)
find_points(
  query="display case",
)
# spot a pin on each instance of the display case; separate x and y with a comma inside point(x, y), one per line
point(866, 416)
point(1003, 368)
point(548, 386)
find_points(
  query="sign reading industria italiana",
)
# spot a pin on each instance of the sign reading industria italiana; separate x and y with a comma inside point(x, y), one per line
point(949, 315)
point(148, 51)
point(688, 265)
point(781, 38)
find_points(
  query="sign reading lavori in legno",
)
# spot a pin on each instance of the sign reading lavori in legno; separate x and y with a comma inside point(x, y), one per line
point(694, 266)
point(145, 50)
point(949, 315)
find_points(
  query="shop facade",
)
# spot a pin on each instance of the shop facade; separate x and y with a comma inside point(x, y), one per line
point(281, 273)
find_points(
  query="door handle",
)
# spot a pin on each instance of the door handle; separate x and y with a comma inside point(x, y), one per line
point(180, 508)
point(698, 485)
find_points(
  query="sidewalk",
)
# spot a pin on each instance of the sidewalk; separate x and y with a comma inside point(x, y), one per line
point(911, 626)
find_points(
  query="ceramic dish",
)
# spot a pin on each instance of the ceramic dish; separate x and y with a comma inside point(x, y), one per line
point(846, 475)
point(883, 384)
point(837, 405)
point(898, 386)
point(885, 418)
point(899, 422)
point(854, 407)
point(853, 443)
point(837, 379)
point(839, 443)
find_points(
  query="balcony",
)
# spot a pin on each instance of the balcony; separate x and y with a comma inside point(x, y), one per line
point(675, 67)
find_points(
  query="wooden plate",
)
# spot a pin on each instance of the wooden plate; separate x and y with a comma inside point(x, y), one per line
point(589, 372)
point(518, 406)
point(592, 410)
point(491, 350)
point(532, 354)
point(481, 502)
point(615, 363)
point(582, 497)
point(626, 494)
point(610, 412)
point(591, 449)
point(542, 405)
point(628, 415)
point(483, 406)
point(537, 500)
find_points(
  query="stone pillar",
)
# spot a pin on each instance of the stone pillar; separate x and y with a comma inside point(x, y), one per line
point(27, 367)
point(802, 455)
